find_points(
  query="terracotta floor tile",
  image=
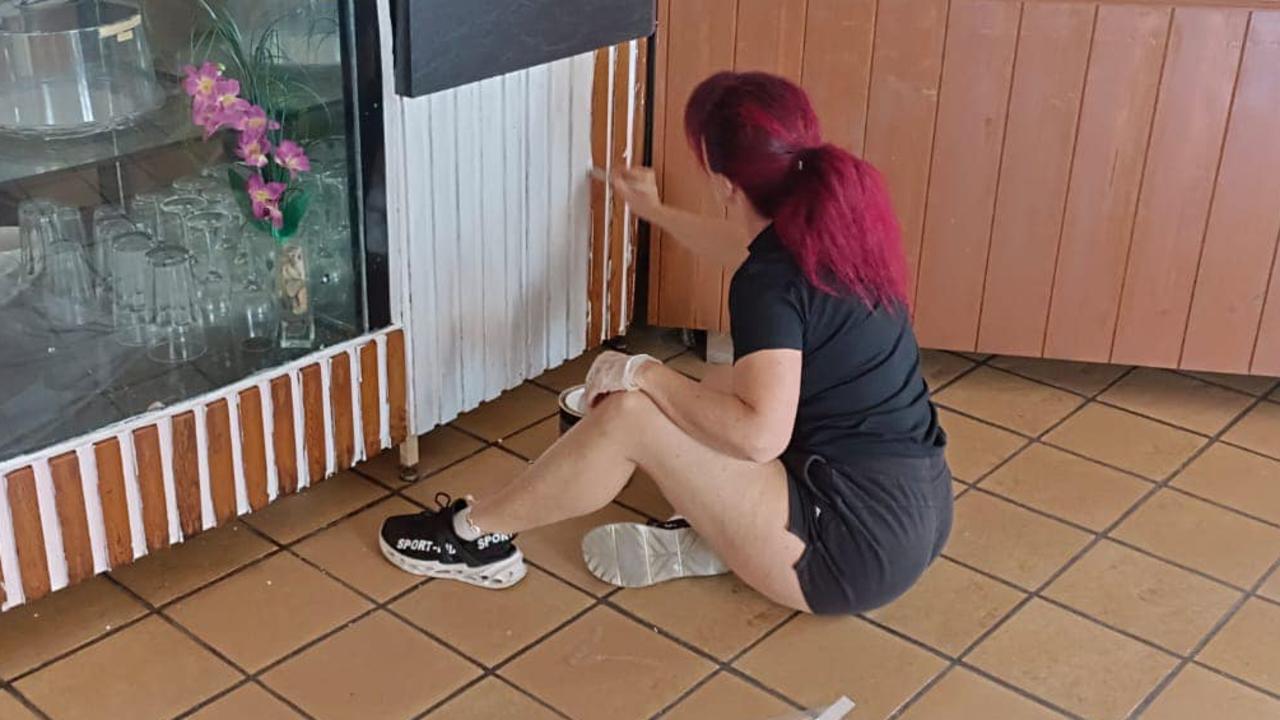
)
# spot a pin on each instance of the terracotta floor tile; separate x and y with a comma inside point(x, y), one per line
point(1067, 486)
point(941, 367)
point(1178, 399)
point(1154, 600)
point(1071, 662)
point(12, 709)
point(491, 626)
point(163, 576)
point(720, 615)
point(1012, 543)
point(642, 494)
point(690, 364)
point(1259, 430)
point(729, 697)
point(531, 443)
point(569, 374)
point(266, 610)
point(816, 660)
point(1237, 478)
point(949, 608)
point(248, 702)
point(1255, 385)
point(1196, 694)
point(661, 343)
point(558, 547)
point(1271, 588)
point(1126, 440)
point(290, 518)
point(477, 475)
point(512, 412)
point(147, 670)
point(437, 450)
point(974, 448)
point(606, 666)
point(1221, 543)
point(491, 699)
point(964, 694)
point(1008, 400)
point(377, 667)
point(349, 551)
point(37, 632)
point(1083, 378)
point(1248, 646)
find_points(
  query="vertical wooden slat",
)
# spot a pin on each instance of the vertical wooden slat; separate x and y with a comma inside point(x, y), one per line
point(538, 203)
point(981, 40)
point(397, 390)
point(578, 251)
point(340, 401)
point(839, 35)
point(313, 422)
point(1048, 83)
point(222, 484)
point(490, 162)
point(470, 246)
point(1115, 122)
point(286, 451)
point(150, 472)
point(65, 471)
point(28, 533)
point(370, 400)
point(700, 43)
point(906, 71)
point(623, 92)
point(442, 115)
point(515, 104)
point(560, 185)
point(1182, 164)
point(115, 507)
point(658, 150)
point(1244, 223)
point(770, 37)
point(186, 473)
point(253, 448)
point(624, 306)
point(601, 214)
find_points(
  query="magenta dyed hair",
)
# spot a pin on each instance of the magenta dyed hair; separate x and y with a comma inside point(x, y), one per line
point(830, 209)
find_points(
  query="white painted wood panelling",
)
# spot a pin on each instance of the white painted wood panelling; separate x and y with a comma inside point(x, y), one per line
point(496, 207)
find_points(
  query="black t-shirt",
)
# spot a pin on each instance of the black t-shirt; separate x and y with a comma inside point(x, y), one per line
point(861, 390)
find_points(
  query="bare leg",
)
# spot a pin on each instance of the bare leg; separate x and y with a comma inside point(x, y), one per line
point(739, 507)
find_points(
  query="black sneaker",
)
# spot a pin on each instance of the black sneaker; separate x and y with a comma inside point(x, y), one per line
point(426, 544)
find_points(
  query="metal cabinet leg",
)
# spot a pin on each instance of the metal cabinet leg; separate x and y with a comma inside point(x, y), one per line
point(409, 460)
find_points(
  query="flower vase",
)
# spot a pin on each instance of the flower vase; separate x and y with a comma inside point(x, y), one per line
point(293, 291)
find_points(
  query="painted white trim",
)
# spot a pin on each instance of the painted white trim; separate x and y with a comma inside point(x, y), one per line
point(88, 459)
point(164, 429)
point(50, 527)
point(299, 431)
point(269, 439)
point(237, 454)
point(13, 594)
point(326, 405)
point(357, 412)
point(629, 157)
point(132, 494)
point(208, 518)
point(384, 394)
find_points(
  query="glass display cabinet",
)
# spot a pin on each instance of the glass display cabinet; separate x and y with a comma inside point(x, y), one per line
point(180, 202)
point(194, 303)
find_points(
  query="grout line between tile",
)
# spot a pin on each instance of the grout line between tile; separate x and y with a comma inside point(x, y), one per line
point(24, 701)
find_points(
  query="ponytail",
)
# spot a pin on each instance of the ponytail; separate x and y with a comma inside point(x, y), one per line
point(830, 208)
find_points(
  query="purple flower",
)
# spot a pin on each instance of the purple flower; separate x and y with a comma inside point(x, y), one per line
point(264, 197)
point(200, 82)
point(289, 155)
point(254, 120)
point(253, 149)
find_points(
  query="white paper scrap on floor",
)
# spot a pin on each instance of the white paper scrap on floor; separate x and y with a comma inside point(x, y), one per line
point(836, 711)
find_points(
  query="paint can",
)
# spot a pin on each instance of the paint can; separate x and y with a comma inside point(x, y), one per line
point(571, 409)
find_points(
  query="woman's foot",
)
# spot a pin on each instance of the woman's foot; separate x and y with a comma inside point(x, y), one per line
point(636, 555)
point(428, 544)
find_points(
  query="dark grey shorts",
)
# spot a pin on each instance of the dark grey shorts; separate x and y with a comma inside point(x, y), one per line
point(870, 528)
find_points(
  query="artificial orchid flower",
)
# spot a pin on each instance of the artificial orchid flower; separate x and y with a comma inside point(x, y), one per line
point(290, 156)
point(264, 197)
point(254, 120)
point(200, 82)
point(253, 149)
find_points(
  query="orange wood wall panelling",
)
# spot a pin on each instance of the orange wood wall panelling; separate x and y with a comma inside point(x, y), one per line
point(28, 533)
point(344, 439)
point(222, 478)
point(69, 496)
point(283, 437)
point(253, 448)
point(397, 388)
point(150, 472)
point(186, 473)
point(370, 400)
point(313, 422)
point(115, 507)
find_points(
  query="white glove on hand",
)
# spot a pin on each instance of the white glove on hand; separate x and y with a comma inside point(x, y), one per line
point(613, 372)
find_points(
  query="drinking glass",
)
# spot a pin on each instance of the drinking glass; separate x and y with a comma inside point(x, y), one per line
point(209, 232)
point(144, 210)
point(68, 285)
point(109, 222)
point(174, 211)
point(196, 185)
point(132, 287)
point(177, 326)
point(257, 317)
point(32, 237)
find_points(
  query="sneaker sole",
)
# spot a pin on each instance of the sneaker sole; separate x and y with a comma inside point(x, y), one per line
point(634, 555)
point(495, 576)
